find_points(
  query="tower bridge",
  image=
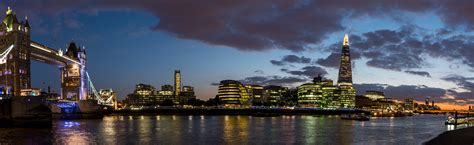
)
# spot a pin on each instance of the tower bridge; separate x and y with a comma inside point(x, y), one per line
point(17, 50)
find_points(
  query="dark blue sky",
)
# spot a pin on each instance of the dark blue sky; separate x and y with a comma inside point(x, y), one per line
point(405, 48)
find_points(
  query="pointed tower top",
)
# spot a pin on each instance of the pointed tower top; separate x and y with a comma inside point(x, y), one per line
point(346, 40)
point(15, 20)
point(9, 11)
point(27, 24)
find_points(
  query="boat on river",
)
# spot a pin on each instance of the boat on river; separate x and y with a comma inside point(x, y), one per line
point(457, 121)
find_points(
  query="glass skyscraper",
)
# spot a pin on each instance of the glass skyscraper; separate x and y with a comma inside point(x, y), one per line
point(346, 91)
point(177, 83)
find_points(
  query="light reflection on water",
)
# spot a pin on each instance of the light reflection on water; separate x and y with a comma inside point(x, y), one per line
point(175, 129)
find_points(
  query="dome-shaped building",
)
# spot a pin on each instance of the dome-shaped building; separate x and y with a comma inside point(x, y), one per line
point(232, 93)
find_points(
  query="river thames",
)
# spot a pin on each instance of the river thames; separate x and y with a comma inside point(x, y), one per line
point(175, 129)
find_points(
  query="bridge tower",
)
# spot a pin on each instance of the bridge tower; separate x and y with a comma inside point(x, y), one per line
point(17, 50)
point(73, 76)
point(15, 68)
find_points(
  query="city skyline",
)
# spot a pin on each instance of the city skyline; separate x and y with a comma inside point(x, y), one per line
point(408, 56)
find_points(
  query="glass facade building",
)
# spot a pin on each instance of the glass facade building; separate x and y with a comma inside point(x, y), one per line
point(144, 95)
point(323, 94)
point(166, 93)
point(346, 92)
point(310, 95)
point(255, 93)
point(319, 95)
point(347, 96)
point(177, 82)
point(187, 94)
point(231, 93)
point(274, 94)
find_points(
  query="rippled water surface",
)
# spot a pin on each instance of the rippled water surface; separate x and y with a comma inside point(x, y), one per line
point(174, 130)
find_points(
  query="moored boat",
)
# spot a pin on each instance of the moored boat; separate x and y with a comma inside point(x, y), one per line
point(457, 121)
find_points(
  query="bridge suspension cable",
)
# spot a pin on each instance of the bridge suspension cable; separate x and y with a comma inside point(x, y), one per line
point(97, 95)
point(3, 55)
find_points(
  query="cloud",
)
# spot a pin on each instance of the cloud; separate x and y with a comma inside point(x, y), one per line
point(406, 48)
point(396, 50)
point(419, 92)
point(272, 80)
point(397, 62)
point(420, 73)
point(288, 59)
point(334, 59)
point(251, 25)
point(277, 63)
point(260, 72)
point(465, 83)
point(457, 13)
point(308, 71)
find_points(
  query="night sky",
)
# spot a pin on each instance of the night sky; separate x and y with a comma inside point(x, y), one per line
point(405, 48)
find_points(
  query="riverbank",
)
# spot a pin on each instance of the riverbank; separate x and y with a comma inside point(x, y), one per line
point(217, 111)
point(464, 136)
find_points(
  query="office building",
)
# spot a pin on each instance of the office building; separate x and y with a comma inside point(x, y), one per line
point(290, 97)
point(177, 83)
point(409, 104)
point(346, 92)
point(143, 95)
point(274, 94)
point(323, 93)
point(345, 69)
point(166, 93)
point(187, 94)
point(310, 95)
point(255, 94)
point(232, 93)
point(167, 88)
point(319, 94)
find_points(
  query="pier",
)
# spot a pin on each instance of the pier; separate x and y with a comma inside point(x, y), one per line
point(25, 111)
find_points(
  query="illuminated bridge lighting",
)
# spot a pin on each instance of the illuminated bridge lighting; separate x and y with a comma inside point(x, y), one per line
point(49, 50)
point(66, 104)
point(69, 124)
point(40, 47)
point(3, 55)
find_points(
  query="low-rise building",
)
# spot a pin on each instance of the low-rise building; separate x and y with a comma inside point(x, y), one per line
point(166, 93)
point(187, 94)
point(255, 94)
point(274, 94)
point(409, 104)
point(143, 95)
point(324, 94)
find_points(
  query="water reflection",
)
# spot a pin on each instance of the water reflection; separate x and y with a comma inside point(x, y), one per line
point(175, 129)
point(69, 124)
point(450, 127)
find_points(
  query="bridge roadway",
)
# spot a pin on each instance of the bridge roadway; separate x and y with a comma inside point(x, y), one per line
point(51, 56)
